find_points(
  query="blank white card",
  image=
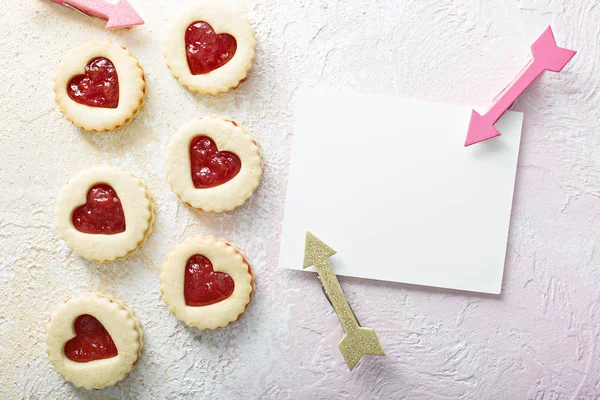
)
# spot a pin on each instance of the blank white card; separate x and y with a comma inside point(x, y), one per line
point(389, 185)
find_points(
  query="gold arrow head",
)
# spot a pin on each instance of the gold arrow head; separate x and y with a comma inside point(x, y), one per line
point(315, 250)
point(358, 342)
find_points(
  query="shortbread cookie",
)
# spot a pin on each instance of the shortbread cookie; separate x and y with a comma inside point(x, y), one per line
point(213, 164)
point(99, 86)
point(104, 213)
point(210, 48)
point(93, 340)
point(206, 282)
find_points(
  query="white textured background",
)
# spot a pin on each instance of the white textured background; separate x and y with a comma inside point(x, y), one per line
point(538, 340)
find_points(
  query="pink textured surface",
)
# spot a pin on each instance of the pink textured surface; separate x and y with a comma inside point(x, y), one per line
point(537, 340)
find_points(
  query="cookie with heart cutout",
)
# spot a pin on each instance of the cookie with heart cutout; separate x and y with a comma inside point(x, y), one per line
point(104, 213)
point(210, 48)
point(93, 340)
point(99, 86)
point(213, 164)
point(206, 282)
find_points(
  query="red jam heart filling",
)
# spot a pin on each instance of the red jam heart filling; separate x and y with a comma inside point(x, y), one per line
point(211, 167)
point(203, 286)
point(206, 50)
point(91, 341)
point(98, 87)
point(102, 212)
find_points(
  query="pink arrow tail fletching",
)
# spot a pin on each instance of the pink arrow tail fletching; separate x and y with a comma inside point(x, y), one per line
point(552, 57)
point(118, 15)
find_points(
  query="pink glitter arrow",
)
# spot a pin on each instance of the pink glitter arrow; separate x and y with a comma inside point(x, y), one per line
point(546, 56)
point(119, 14)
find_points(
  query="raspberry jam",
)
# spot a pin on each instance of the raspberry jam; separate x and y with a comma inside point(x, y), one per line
point(101, 214)
point(207, 50)
point(98, 87)
point(91, 341)
point(211, 167)
point(202, 285)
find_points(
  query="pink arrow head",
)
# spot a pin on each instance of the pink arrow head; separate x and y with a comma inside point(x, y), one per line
point(122, 15)
point(548, 54)
point(480, 129)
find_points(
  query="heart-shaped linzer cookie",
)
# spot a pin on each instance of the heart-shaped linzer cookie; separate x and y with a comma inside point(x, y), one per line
point(203, 286)
point(91, 342)
point(207, 50)
point(101, 214)
point(98, 87)
point(211, 167)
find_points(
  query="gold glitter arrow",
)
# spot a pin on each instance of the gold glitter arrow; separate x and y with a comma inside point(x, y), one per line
point(358, 340)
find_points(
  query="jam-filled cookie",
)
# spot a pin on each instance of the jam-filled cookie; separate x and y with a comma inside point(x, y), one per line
point(213, 164)
point(206, 282)
point(93, 340)
point(104, 213)
point(210, 48)
point(99, 86)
